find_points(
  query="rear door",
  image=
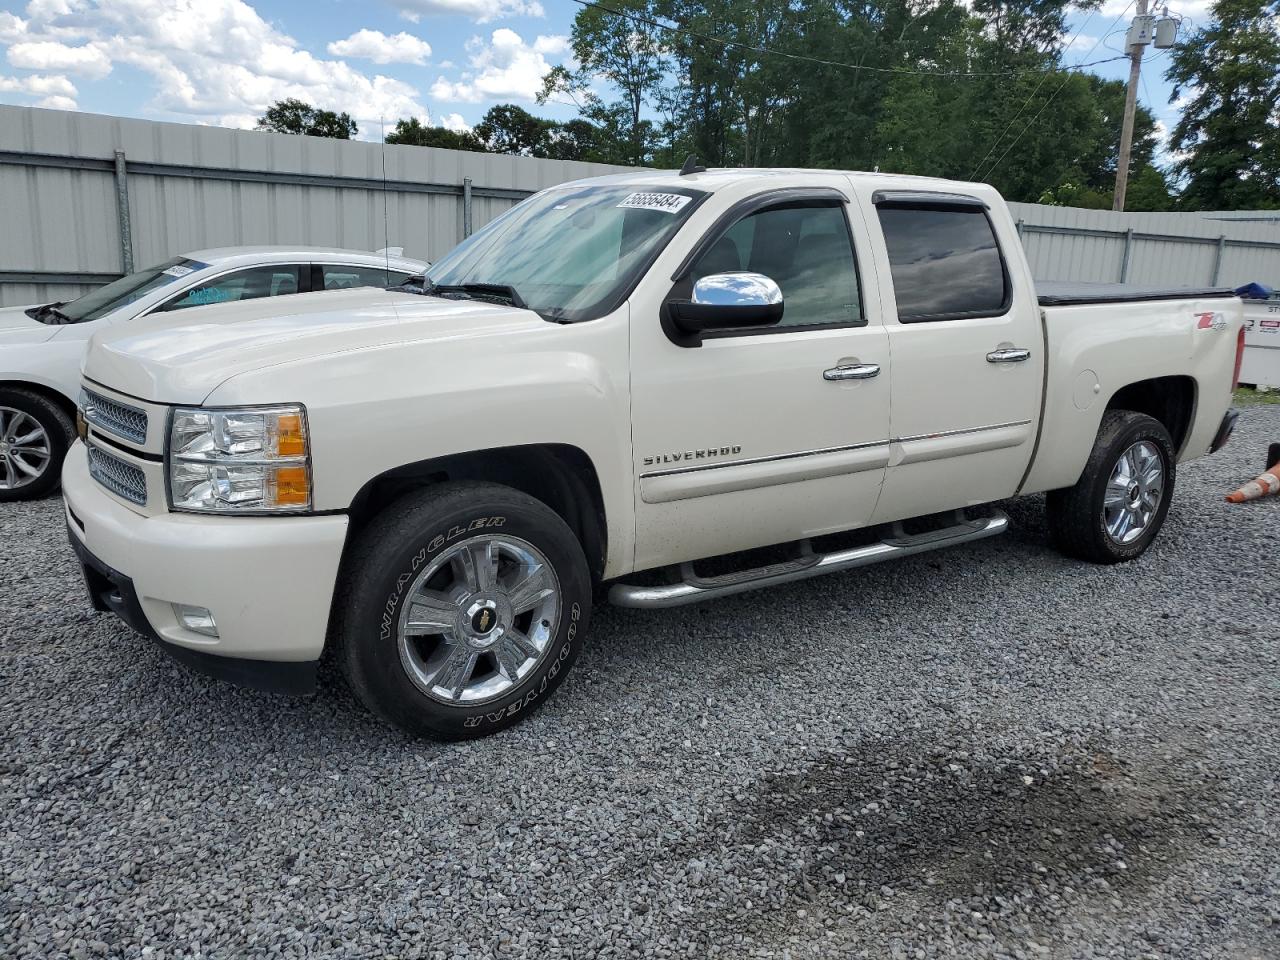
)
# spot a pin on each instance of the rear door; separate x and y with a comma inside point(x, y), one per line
point(968, 364)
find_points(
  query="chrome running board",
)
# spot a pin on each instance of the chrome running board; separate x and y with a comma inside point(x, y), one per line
point(898, 543)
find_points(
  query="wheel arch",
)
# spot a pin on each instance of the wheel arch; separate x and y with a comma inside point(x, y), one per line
point(561, 476)
point(1171, 400)
point(52, 394)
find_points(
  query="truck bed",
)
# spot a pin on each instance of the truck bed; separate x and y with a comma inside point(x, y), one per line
point(1057, 294)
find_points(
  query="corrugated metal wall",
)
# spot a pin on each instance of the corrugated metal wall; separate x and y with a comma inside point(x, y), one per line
point(1164, 249)
point(62, 219)
point(192, 187)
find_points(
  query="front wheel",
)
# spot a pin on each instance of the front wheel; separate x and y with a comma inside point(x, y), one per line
point(34, 436)
point(463, 608)
point(1119, 504)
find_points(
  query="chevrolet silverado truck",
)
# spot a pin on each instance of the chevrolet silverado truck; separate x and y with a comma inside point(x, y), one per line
point(670, 387)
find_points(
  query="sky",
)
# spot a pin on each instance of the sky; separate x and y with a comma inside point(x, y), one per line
point(446, 62)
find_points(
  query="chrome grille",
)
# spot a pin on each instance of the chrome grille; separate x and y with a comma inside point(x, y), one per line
point(122, 479)
point(115, 417)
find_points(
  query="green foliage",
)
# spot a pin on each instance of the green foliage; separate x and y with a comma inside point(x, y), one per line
point(1229, 132)
point(1022, 123)
point(412, 133)
point(297, 117)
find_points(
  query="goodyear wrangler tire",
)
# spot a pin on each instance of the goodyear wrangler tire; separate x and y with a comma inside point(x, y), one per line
point(463, 608)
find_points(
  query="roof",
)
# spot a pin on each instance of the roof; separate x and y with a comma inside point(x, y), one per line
point(284, 253)
point(718, 177)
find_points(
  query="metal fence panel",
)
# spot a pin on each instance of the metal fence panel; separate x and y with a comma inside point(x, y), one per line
point(191, 187)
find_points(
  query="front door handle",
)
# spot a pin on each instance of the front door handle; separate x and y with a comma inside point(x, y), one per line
point(1009, 355)
point(852, 371)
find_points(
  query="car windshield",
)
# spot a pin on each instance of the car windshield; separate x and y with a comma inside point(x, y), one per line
point(570, 253)
point(126, 290)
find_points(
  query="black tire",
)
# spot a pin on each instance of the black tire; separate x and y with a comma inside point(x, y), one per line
point(1075, 515)
point(380, 570)
point(57, 427)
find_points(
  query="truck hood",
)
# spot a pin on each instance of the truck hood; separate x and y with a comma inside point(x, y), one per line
point(17, 327)
point(183, 357)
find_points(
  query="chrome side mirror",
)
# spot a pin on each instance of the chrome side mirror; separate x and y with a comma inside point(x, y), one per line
point(726, 301)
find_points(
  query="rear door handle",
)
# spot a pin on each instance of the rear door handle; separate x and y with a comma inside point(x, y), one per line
point(1009, 355)
point(852, 371)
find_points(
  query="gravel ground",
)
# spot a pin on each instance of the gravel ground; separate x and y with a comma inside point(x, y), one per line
point(991, 752)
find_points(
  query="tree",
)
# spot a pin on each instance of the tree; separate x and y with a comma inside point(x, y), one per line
point(507, 128)
point(624, 46)
point(297, 117)
point(1229, 131)
point(412, 133)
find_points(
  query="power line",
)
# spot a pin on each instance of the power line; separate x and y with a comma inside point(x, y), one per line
point(680, 29)
point(995, 143)
point(1027, 126)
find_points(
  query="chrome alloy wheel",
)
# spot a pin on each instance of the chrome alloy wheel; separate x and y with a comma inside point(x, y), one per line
point(1133, 493)
point(479, 619)
point(24, 449)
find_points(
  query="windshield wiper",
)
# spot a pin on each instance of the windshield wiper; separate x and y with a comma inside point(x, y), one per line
point(43, 314)
point(480, 291)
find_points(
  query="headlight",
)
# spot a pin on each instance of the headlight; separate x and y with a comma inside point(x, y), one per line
point(239, 460)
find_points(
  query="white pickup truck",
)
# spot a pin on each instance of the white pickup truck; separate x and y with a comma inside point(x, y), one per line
point(679, 386)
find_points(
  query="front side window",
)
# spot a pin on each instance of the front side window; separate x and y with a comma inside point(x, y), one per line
point(126, 290)
point(570, 253)
point(945, 263)
point(276, 280)
point(805, 249)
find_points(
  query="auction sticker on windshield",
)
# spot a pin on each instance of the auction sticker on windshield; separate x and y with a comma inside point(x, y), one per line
point(666, 202)
point(178, 270)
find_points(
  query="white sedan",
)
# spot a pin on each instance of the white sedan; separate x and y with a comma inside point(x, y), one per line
point(41, 347)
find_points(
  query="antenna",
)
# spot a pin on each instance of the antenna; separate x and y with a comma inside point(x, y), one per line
point(691, 165)
point(386, 225)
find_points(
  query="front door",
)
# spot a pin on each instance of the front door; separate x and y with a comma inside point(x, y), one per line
point(741, 441)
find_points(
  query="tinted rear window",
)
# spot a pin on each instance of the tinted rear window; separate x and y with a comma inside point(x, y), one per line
point(945, 263)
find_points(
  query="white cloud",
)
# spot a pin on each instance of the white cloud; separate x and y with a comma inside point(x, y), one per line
point(58, 91)
point(381, 48)
point(57, 103)
point(89, 59)
point(211, 60)
point(12, 27)
point(481, 11)
point(454, 121)
point(505, 67)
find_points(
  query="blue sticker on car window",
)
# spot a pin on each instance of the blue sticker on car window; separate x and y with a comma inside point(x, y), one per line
point(199, 298)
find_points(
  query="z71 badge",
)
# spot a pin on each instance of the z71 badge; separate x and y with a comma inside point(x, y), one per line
point(1214, 321)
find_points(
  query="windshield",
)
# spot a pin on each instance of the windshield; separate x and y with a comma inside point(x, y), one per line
point(569, 253)
point(126, 290)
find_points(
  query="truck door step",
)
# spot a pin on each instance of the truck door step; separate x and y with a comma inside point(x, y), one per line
point(896, 542)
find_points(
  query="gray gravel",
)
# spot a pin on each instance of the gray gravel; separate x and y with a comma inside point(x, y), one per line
point(992, 752)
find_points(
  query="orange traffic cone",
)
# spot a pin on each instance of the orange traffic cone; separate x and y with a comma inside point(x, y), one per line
point(1263, 486)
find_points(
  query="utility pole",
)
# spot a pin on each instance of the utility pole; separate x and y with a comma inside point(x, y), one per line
point(1139, 36)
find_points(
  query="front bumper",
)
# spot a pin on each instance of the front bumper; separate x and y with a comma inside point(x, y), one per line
point(267, 581)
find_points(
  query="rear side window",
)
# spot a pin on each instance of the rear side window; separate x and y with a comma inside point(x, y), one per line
point(345, 277)
point(945, 262)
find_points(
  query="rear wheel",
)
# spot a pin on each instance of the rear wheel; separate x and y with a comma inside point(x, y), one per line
point(34, 436)
point(464, 607)
point(1119, 504)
